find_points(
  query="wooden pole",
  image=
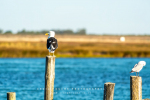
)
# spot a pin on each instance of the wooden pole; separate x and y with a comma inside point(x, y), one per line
point(109, 91)
point(49, 77)
point(11, 96)
point(135, 88)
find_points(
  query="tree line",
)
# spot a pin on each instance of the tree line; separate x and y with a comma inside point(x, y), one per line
point(68, 31)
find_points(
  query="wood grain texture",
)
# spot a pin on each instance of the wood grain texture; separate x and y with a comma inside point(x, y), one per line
point(49, 77)
point(109, 91)
point(11, 96)
point(135, 88)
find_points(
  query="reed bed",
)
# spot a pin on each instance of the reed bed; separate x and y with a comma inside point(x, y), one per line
point(78, 46)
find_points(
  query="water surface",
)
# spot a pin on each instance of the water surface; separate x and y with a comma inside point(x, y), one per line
point(75, 78)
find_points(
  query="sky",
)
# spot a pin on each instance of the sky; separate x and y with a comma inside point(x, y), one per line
point(96, 16)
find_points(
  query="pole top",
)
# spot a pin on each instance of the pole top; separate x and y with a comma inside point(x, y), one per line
point(109, 83)
point(10, 92)
point(48, 56)
point(135, 76)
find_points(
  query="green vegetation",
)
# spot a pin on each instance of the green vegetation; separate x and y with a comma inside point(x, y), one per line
point(1, 31)
point(61, 32)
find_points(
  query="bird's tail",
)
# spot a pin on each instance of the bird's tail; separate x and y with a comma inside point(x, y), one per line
point(131, 71)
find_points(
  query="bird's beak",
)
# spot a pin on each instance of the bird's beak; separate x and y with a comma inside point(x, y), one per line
point(46, 34)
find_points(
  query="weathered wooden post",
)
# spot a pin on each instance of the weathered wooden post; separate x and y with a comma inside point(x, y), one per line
point(135, 88)
point(49, 77)
point(109, 91)
point(11, 96)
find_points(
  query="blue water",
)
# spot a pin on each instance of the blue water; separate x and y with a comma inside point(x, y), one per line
point(75, 78)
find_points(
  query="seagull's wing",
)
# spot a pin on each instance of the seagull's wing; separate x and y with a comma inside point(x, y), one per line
point(140, 66)
point(135, 65)
point(133, 69)
point(137, 68)
point(52, 47)
point(55, 44)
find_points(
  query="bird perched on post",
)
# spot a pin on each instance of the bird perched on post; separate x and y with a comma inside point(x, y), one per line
point(52, 44)
point(138, 67)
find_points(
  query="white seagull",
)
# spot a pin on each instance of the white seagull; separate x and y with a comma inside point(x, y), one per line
point(52, 44)
point(138, 67)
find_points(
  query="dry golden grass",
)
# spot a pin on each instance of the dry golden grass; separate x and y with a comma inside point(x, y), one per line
point(75, 46)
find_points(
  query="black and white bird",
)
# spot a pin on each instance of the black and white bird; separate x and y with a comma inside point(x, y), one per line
point(52, 44)
point(138, 67)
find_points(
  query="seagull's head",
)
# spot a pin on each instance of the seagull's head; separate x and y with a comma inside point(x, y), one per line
point(142, 63)
point(51, 34)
